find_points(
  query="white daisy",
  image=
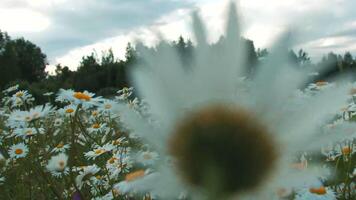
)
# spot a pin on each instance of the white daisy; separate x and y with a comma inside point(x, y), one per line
point(33, 114)
point(99, 150)
point(27, 132)
point(85, 98)
point(60, 147)
point(215, 129)
point(147, 158)
point(68, 110)
point(135, 180)
point(19, 150)
point(83, 175)
point(315, 193)
point(57, 165)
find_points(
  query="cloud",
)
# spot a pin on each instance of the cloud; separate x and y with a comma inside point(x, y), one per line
point(83, 22)
point(263, 21)
point(77, 27)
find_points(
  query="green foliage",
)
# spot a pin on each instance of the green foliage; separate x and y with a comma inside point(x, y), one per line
point(20, 59)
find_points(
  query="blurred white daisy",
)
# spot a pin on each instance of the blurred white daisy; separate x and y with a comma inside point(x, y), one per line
point(19, 150)
point(57, 165)
point(28, 116)
point(147, 158)
point(316, 193)
point(135, 181)
point(223, 138)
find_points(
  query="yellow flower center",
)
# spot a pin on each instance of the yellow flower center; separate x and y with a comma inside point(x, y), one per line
point(134, 175)
point(61, 164)
point(346, 150)
point(107, 106)
point(112, 160)
point(225, 143)
point(94, 113)
point(321, 83)
point(96, 126)
point(29, 132)
point(19, 94)
point(99, 151)
point(116, 142)
point(36, 115)
point(60, 145)
point(69, 110)
point(81, 96)
point(28, 118)
point(319, 191)
point(18, 151)
point(352, 91)
point(147, 156)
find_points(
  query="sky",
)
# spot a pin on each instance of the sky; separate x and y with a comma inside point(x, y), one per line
point(66, 30)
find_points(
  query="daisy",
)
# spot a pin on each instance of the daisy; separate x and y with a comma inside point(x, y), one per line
point(68, 110)
point(85, 98)
point(97, 127)
point(19, 150)
point(57, 165)
point(316, 193)
point(107, 106)
point(99, 150)
point(33, 114)
point(147, 158)
point(60, 148)
point(27, 132)
point(90, 170)
point(223, 139)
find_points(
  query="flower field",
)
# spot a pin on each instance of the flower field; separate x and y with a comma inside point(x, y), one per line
point(82, 150)
point(208, 132)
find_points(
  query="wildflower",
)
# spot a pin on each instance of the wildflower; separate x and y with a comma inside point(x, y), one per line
point(240, 142)
point(33, 114)
point(57, 164)
point(134, 180)
point(83, 175)
point(68, 110)
point(107, 106)
point(98, 151)
point(60, 147)
point(147, 157)
point(85, 98)
point(27, 132)
point(19, 150)
point(96, 127)
point(318, 193)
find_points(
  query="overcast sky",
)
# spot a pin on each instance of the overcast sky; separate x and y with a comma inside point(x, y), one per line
point(66, 30)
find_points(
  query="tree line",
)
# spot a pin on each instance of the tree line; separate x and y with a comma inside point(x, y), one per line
point(22, 62)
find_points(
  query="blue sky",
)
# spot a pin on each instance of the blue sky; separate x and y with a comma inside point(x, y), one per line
point(68, 29)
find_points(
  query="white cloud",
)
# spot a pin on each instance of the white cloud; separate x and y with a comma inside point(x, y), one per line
point(72, 29)
point(22, 20)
